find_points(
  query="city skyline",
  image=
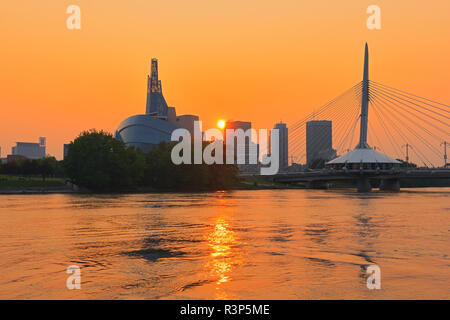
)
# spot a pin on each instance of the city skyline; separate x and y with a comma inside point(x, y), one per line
point(81, 79)
point(233, 159)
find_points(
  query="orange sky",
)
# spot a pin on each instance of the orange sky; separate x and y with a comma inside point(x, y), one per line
point(237, 59)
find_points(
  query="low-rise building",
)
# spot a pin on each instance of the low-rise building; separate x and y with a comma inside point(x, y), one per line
point(30, 150)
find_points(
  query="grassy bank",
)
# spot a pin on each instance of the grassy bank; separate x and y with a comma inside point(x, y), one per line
point(13, 184)
point(11, 181)
point(20, 184)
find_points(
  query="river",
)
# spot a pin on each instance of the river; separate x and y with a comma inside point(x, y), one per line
point(260, 244)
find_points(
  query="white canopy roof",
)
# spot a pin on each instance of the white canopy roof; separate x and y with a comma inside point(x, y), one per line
point(364, 155)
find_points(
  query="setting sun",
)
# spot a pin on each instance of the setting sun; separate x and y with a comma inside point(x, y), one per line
point(221, 124)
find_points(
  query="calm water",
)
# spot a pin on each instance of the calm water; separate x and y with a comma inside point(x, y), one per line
point(268, 244)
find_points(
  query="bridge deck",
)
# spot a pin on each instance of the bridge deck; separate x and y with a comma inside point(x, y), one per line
point(330, 175)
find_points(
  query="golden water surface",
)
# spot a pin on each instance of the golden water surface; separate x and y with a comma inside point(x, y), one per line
point(267, 244)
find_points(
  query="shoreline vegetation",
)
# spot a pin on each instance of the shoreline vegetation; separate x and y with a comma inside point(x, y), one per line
point(10, 184)
point(20, 186)
point(245, 184)
point(98, 163)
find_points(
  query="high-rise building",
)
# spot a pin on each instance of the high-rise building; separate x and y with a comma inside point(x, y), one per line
point(283, 144)
point(319, 141)
point(240, 149)
point(30, 150)
point(244, 149)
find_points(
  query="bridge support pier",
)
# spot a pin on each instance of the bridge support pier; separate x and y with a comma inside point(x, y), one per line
point(390, 185)
point(317, 185)
point(364, 185)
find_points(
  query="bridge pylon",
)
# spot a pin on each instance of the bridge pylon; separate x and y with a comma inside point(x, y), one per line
point(363, 184)
point(363, 157)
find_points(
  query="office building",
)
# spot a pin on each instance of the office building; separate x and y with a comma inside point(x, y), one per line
point(186, 121)
point(30, 150)
point(241, 148)
point(245, 149)
point(283, 145)
point(319, 142)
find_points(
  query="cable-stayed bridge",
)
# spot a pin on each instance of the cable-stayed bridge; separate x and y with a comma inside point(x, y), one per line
point(377, 132)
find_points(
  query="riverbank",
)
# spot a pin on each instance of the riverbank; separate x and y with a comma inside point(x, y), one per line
point(36, 191)
point(18, 185)
point(11, 184)
point(63, 189)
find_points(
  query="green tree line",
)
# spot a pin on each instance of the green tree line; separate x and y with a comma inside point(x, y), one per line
point(97, 161)
point(45, 167)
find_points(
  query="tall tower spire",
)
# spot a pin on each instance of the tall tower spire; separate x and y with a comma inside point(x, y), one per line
point(156, 105)
point(364, 102)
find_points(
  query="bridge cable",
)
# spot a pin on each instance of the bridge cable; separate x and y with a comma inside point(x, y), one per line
point(412, 131)
point(391, 97)
point(413, 95)
point(324, 107)
point(319, 139)
point(389, 104)
point(377, 94)
point(387, 132)
point(299, 130)
point(340, 114)
point(395, 126)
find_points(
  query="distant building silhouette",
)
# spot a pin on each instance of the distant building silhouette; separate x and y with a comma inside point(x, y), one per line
point(156, 104)
point(186, 121)
point(283, 144)
point(2, 160)
point(319, 141)
point(14, 157)
point(238, 148)
point(65, 150)
point(243, 149)
point(30, 150)
point(144, 131)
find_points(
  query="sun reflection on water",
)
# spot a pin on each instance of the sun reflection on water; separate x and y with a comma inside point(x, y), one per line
point(221, 241)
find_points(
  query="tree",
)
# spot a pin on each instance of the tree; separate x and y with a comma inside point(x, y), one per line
point(46, 167)
point(99, 162)
point(162, 173)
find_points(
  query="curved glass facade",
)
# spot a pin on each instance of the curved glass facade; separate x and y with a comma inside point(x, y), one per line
point(144, 132)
